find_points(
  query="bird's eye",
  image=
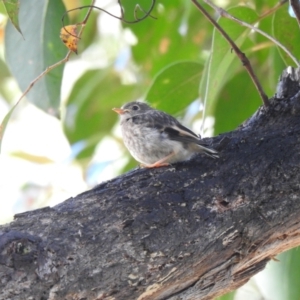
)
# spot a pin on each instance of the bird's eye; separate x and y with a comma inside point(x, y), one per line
point(135, 107)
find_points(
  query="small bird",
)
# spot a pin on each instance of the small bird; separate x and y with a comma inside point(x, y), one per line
point(156, 139)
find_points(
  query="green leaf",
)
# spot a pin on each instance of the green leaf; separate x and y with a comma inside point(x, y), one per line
point(224, 63)
point(3, 125)
point(176, 86)
point(4, 72)
point(228, 296)
point(41, 22)
point(267, 62)
point(2, 9)
point(234, 104)
point(5, 91)
point(263, 6)
point(89, 116)
point(12, 9)
point(286, 30)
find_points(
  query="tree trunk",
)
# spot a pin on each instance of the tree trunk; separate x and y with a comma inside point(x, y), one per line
point(194, 230)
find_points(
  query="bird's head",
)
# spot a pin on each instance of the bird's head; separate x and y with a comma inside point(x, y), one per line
point(132, 109)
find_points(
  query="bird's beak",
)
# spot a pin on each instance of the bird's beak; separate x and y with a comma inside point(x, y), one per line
point(119, 111)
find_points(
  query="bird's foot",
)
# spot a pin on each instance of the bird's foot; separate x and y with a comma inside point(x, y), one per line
point(155, 165)
point(160, 163)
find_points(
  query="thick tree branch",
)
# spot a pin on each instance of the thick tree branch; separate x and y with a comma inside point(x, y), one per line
point(192, 231)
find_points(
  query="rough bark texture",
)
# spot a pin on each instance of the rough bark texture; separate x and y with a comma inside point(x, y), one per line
point(195, 230)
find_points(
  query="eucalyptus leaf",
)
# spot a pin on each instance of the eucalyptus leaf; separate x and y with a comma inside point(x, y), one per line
point(228, 296)
point(3, 124)
point(286, 30)
point(12, 9)
point(41, 22)
point(237, 101)
point(224, 63)
point(176, 86)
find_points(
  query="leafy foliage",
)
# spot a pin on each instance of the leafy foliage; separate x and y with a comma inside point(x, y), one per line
point(171, 59)
point(223, 64)
point(176, 86)
point(40, 48)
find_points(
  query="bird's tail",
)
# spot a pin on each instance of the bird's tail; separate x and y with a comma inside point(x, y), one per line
point(208, 151)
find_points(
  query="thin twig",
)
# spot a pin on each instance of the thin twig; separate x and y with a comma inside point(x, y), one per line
point(273, 9)
point(245, 61)
point(121, 9)
point(147, 13)
point(296, 8)
point(227, 15)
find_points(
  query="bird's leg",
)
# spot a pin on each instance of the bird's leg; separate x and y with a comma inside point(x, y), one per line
point(160, 163)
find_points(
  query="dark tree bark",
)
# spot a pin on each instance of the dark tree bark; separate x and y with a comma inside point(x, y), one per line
point(194, 230)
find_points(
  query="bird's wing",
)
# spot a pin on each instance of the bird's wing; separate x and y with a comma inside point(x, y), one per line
point(178, 132)
point(168, 125)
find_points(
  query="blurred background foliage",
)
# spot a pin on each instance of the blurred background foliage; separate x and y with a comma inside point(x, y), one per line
point(64, 138)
